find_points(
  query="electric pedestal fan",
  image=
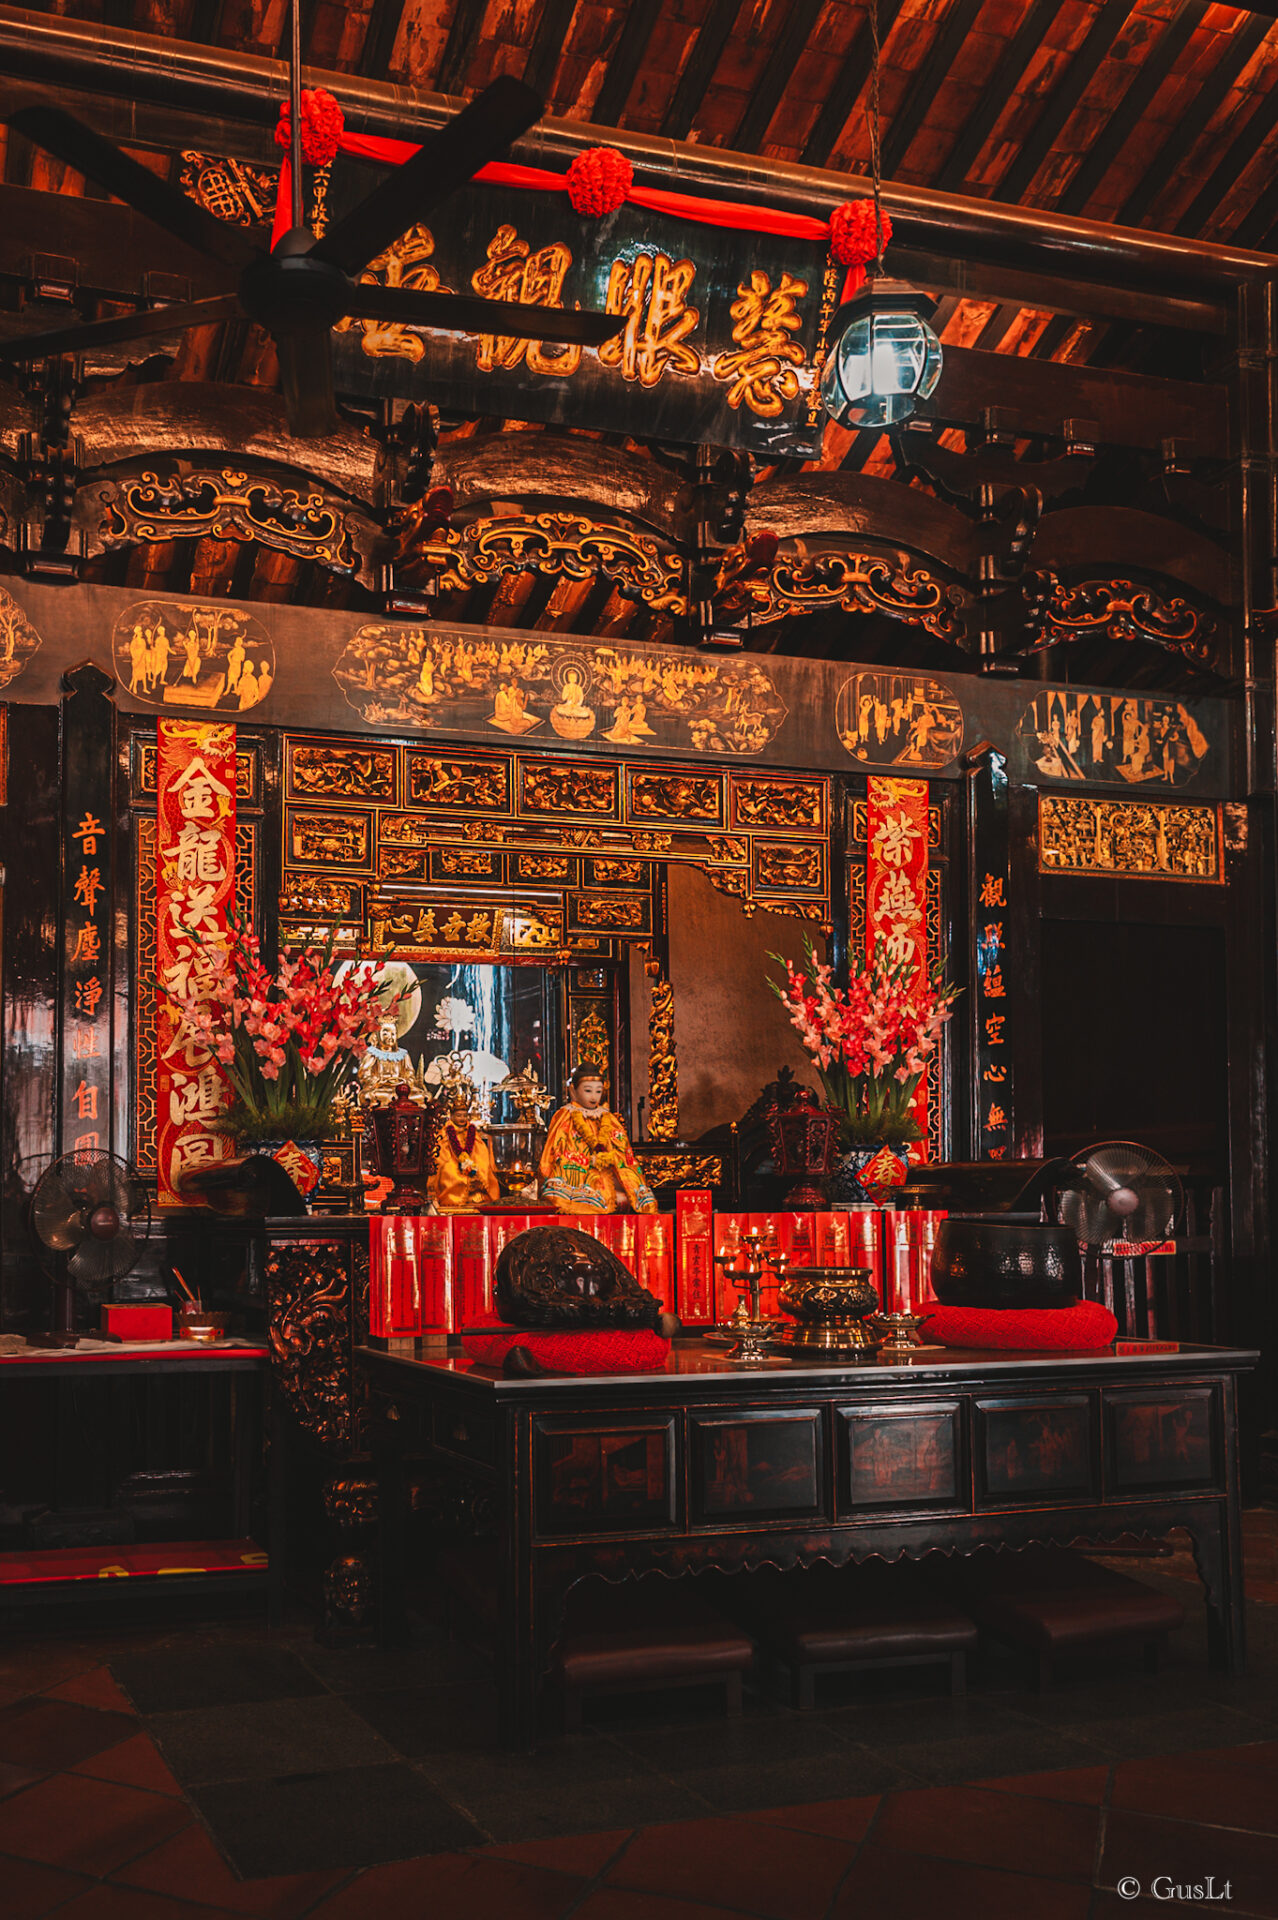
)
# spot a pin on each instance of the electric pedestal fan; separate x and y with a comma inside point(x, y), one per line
point(301, 289)
point(91, 1215)
point(1125, 1195)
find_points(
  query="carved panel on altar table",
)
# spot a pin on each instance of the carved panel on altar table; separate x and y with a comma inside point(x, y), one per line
point(1143, 840)
point(144, 962)
point(324, 771)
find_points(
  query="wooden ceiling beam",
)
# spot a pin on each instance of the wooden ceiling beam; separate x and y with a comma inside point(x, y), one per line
point(463, 32)
point(1133, 409)
point(640, 21)
point(548, 44)
point(148, 90)
point(379, 40)
point(1155, 69)
point(698, 71)
point(752, 128)
point(1063, 99)
point(1242, 150)
point(925, 82)
point(1197, 116)
point(999, 90)
point(846, 91)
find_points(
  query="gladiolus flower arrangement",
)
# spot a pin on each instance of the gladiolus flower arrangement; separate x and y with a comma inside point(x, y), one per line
point(285, 1044)
point(871, 1040)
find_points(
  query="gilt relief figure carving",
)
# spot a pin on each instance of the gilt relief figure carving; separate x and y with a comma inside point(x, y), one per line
point(216, 659)
point(899, 720)
point(447, 680)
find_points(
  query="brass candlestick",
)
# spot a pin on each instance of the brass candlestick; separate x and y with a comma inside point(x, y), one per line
point(757, 1260)
point(902, 1334)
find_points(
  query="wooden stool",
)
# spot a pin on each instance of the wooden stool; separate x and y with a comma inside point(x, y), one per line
point(822, 1620)
point(1052, 1601)
point(644, 1635)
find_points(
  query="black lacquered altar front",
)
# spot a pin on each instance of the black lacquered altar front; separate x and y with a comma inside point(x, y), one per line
point(709, 1465)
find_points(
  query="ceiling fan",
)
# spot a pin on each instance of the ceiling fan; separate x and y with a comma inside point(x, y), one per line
point(304, 286)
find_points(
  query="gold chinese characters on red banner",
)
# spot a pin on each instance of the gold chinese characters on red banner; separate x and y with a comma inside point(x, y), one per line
point(195, 888)
point(896, 891)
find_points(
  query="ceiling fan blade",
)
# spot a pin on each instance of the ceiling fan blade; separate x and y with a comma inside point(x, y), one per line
point(126, 326)
point(483, 131)
point(103, 163)
point(306, 381)
point(467, 313)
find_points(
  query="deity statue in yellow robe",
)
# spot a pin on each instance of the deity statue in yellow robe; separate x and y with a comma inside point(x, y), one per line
point(465, 1175)
point(587, 1164)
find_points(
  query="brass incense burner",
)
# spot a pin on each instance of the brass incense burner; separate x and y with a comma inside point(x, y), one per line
point(831, 1306)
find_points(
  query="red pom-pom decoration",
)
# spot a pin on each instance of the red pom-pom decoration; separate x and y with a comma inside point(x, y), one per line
point(322, 127)
point(854, 233)
point(598, 181)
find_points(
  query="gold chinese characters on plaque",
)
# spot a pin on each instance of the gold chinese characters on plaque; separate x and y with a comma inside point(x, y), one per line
point(1142, 839)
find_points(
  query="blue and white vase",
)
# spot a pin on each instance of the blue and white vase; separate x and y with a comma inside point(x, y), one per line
point(868, 1175)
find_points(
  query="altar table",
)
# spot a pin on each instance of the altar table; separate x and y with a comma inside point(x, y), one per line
point(710, 1465)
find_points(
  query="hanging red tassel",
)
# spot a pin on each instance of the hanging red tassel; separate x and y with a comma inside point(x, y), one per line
point(323, 124)
point(598, 181)
point(854, 240)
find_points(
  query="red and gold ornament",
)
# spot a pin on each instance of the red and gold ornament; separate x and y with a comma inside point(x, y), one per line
point(322, 127)
point(598, 181)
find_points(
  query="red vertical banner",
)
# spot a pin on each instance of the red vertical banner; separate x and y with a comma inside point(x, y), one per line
point(195, 889)
point(896, 892)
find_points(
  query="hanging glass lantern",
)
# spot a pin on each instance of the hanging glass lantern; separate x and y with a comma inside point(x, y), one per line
point(884, 357)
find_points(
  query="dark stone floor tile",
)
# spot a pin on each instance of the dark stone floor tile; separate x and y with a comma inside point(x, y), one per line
point(1145, 1850)
point(358, 1816)
point(1139, 1736)
point(51, 1734)
point(438, 1663)
point(1028, 1750)
point(893, 1723)
point(686, 1751)
point(743, 1786)
point(578, 1785)
point(417, 1721)
point(264, 1739)
point(174, 1678)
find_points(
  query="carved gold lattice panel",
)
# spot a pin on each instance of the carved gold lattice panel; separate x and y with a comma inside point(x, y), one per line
point(328, 839)
point(559, 868)
point(143, 1102)
point(466, 863)
point(320, 771)
point(610, 913)
point(1141, 839)
point(547, 786)
point(797, 804)
point(858, 826)
point(682, 797)
point(318, 897)
point(617, 873)
point(788, 867)
point(451, 784)
point(143, 771)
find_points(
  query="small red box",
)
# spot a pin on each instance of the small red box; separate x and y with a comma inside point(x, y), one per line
point(143, 1321)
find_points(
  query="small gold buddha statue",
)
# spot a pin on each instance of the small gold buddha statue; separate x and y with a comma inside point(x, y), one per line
point(465, 1173)
point(587, 1163)
point(385, 1065)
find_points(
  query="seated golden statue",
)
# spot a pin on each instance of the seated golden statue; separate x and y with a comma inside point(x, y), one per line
point(587, 1156)
point(385, 1066)
point(465, 1175)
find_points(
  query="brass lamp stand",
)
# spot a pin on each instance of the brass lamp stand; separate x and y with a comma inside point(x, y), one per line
point(756, 1260)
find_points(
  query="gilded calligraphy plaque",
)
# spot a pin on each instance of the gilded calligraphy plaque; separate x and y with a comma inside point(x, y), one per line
point(723, 339)
point(1148, 840)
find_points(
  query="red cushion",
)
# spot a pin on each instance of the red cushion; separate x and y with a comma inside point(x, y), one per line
point(604, 1350)
point(1084, 1327)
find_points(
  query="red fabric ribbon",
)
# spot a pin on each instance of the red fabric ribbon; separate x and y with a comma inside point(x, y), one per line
point(735, 216)
point(1084, 1328)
